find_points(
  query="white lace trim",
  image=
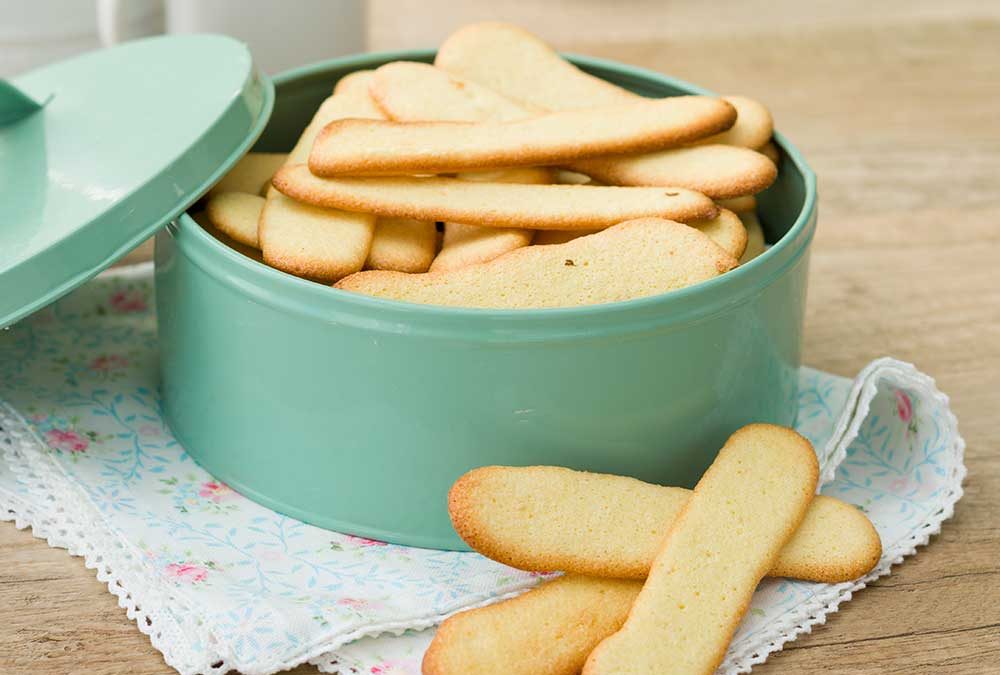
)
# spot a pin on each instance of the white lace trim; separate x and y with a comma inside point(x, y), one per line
point(804, 616)
point(76, 525)
point(71, 522)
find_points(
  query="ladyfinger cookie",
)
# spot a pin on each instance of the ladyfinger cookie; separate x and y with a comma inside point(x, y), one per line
point(355, 84)
point(726, 230)
point(513, 62)
point(753, 128)
point(550, 629)
point(543, 518)
point(252, 174)
point(313, 242)
point(630, 260)
point(319, 243)
point(464, 245)
point(559, 207)
point(553, 627)
point(738, 204)
point(373, 147)
point(418, 92)
point(755, 236)
point(728, 535)
point(236, 214)
point(349, 100)
point(202, 219)
point(770, 150)
point(546, 237)
point(412, 92)
point(415, 92)
point(402, 245)
point(719, 171)
point(517, 64)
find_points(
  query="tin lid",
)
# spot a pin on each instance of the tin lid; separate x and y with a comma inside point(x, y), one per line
point(100, 151)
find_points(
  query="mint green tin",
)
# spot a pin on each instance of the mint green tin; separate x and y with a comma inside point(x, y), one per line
point(356, 414)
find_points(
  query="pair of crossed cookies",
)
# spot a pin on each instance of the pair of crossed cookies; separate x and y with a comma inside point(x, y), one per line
point(656, 578)
point(417, 173)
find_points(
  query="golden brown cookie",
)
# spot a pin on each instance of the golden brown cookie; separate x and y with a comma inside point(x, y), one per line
point(719, 171)
point(413, 92)
point(550, 629)
point(236, 214)
point(543, 518)
point(202, 219)
point(318, 243)
point(464, 245)
point(252, 174)
point(417, 92)
point(753, 127)
point(636, 258)
point(738, 204)
point(755, 237)
point(770, 150)
point(726, 230)
point(402, 245)
point(546, 237)
point(543, 207)
point(516, 64)
point(728, 535)
point(312, 242)
point(354, 84)
point(512, 61)
point(361, 147)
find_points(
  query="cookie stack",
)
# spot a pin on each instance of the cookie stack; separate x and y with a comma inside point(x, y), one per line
point(503, 176)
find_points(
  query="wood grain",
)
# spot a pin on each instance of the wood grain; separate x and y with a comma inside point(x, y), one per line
point(896, 106)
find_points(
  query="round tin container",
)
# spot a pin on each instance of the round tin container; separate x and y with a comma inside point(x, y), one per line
point(356, 413)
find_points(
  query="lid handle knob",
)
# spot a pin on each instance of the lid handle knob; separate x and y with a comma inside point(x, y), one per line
point(15, 104)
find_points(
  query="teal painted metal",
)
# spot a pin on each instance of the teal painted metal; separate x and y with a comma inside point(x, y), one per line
point(15, 105)
point(127, 139)
point(356, 413)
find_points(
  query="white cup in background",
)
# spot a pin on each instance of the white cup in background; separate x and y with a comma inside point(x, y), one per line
point(280, 35)
point(37, 32)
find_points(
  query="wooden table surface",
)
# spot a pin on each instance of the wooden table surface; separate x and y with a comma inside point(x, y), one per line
point(897, 107)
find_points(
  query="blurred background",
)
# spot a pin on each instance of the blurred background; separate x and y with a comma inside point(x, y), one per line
point(894, 103)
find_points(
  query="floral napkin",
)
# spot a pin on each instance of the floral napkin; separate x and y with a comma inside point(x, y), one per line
point(219, 582)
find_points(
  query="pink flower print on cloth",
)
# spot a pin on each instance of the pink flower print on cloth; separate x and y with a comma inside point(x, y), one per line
point(108, 362)
point(66, 440)
point(904, 409)
point(127, 301)
point(216, 491)
point(186, 573)
point(363, 541)
point(396, 667)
